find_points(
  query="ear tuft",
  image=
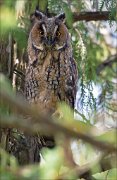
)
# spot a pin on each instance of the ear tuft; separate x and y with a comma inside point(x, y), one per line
point(61, 17)
point(39, 15)
point(36, 16)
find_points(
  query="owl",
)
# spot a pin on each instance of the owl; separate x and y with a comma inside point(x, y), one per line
point(51, 74)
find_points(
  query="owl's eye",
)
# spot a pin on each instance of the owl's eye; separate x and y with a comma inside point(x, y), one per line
point(58, 33)
point(41, 32)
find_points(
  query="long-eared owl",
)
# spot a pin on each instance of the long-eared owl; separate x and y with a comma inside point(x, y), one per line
point(51, 74)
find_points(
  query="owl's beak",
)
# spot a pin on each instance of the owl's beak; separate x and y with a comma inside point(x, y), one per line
point(49, 41)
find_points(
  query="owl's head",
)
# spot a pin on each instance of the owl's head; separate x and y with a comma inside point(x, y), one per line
point(49, 33)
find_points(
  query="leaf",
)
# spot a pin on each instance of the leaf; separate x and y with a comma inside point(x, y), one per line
point(53, 162)
point(108, 175)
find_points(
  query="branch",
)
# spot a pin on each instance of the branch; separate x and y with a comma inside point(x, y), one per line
point(107, 63)
point(93, 16)
point(47, 124)
point(90, 16)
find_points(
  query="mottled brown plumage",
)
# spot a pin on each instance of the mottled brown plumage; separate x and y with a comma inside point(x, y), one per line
point(51, 74)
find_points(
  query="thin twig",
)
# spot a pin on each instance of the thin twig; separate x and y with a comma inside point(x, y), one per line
point(107, 63)
point(82, 115)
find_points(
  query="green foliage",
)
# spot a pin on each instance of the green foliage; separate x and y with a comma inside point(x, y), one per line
point(55, 164)
point(111, 6)
point(101, 4)
point(20, 37)
point(55, 6)
point(7, 18)
point(7, 161)
point(109, 175)
point(89, 53)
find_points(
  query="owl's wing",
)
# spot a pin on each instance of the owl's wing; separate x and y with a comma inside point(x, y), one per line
point(72, 83)
point(31, 85)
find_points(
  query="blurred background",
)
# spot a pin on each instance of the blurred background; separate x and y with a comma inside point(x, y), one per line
point(93, 29)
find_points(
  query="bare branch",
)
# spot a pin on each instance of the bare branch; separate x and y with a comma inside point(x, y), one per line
point(92, 16)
